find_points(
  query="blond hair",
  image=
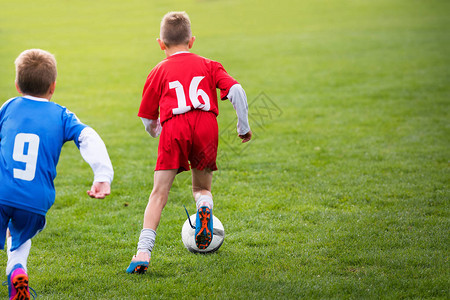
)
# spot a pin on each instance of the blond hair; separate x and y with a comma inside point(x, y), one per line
point(175, 28)
point(35, 71)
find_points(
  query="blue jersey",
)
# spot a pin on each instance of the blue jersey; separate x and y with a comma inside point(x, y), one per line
point(32, 133)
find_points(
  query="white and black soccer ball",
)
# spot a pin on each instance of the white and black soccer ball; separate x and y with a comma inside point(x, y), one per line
point(188, 236)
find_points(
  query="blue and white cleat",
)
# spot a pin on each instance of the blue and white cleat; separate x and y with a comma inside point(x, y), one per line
point(203, 227)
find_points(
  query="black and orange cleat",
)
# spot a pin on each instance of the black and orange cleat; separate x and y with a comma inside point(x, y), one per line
point(203, 227)
point(20, 284)
point(138, 267)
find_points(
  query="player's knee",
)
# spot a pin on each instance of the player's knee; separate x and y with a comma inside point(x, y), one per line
point(159, 197)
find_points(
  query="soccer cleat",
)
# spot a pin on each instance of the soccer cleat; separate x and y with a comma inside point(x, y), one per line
point(18, 284)
point(203, 227)
point(137, 266)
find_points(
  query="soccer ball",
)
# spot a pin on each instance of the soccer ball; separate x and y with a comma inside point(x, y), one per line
point(188, 236)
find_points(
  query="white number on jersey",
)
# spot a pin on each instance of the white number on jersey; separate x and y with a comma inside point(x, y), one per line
point(181, 98)
point(194, 94)
point(31, 142)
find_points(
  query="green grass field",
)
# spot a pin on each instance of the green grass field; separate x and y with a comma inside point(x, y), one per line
point(342, 194)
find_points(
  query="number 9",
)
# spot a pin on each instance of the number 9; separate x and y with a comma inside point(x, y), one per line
point(26, 147)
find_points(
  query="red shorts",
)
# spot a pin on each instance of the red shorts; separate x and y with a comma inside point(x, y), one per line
point(190, 137)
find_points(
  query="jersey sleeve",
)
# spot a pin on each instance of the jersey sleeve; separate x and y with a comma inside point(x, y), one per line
point(239, 100)
point(72, 126)
point(223, 81)
point(151, 94)
point(93, 151)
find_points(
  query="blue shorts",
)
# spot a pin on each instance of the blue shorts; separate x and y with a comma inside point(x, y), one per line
point(22, 224)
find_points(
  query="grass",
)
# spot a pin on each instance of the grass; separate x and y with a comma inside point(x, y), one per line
point(343, 193)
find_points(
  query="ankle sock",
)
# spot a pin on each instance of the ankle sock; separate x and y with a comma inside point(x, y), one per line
point(18, 256)
point(205, 200)
point(146, 241)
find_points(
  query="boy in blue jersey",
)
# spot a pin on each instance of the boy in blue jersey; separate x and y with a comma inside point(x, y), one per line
point(32, 133)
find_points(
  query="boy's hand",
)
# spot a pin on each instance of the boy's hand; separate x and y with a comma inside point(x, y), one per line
point(99, 190)
point(246, 137)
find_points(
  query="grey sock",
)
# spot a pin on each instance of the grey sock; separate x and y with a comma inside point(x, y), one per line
point(146, 240)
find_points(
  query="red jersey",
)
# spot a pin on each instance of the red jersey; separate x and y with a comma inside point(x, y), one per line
point(183, 82)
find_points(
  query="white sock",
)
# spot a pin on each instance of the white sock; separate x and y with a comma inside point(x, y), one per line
point(146, 241)
point(18, 256)
point(205, 200)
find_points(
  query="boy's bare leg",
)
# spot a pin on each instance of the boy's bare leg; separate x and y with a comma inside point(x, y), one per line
point(162, 183)
point(201, 183)
point(163, 180)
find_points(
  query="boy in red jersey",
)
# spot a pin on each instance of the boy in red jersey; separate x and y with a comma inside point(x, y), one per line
point(181, 91)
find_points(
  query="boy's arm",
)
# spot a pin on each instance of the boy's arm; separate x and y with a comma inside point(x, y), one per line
point(93, 151)
point(238, 98)
point(153, 127)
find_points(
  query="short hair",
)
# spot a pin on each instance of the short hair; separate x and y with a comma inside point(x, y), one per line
point(175, 28)
point(35, 71)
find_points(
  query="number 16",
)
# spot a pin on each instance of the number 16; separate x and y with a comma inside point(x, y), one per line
point(194, 94)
